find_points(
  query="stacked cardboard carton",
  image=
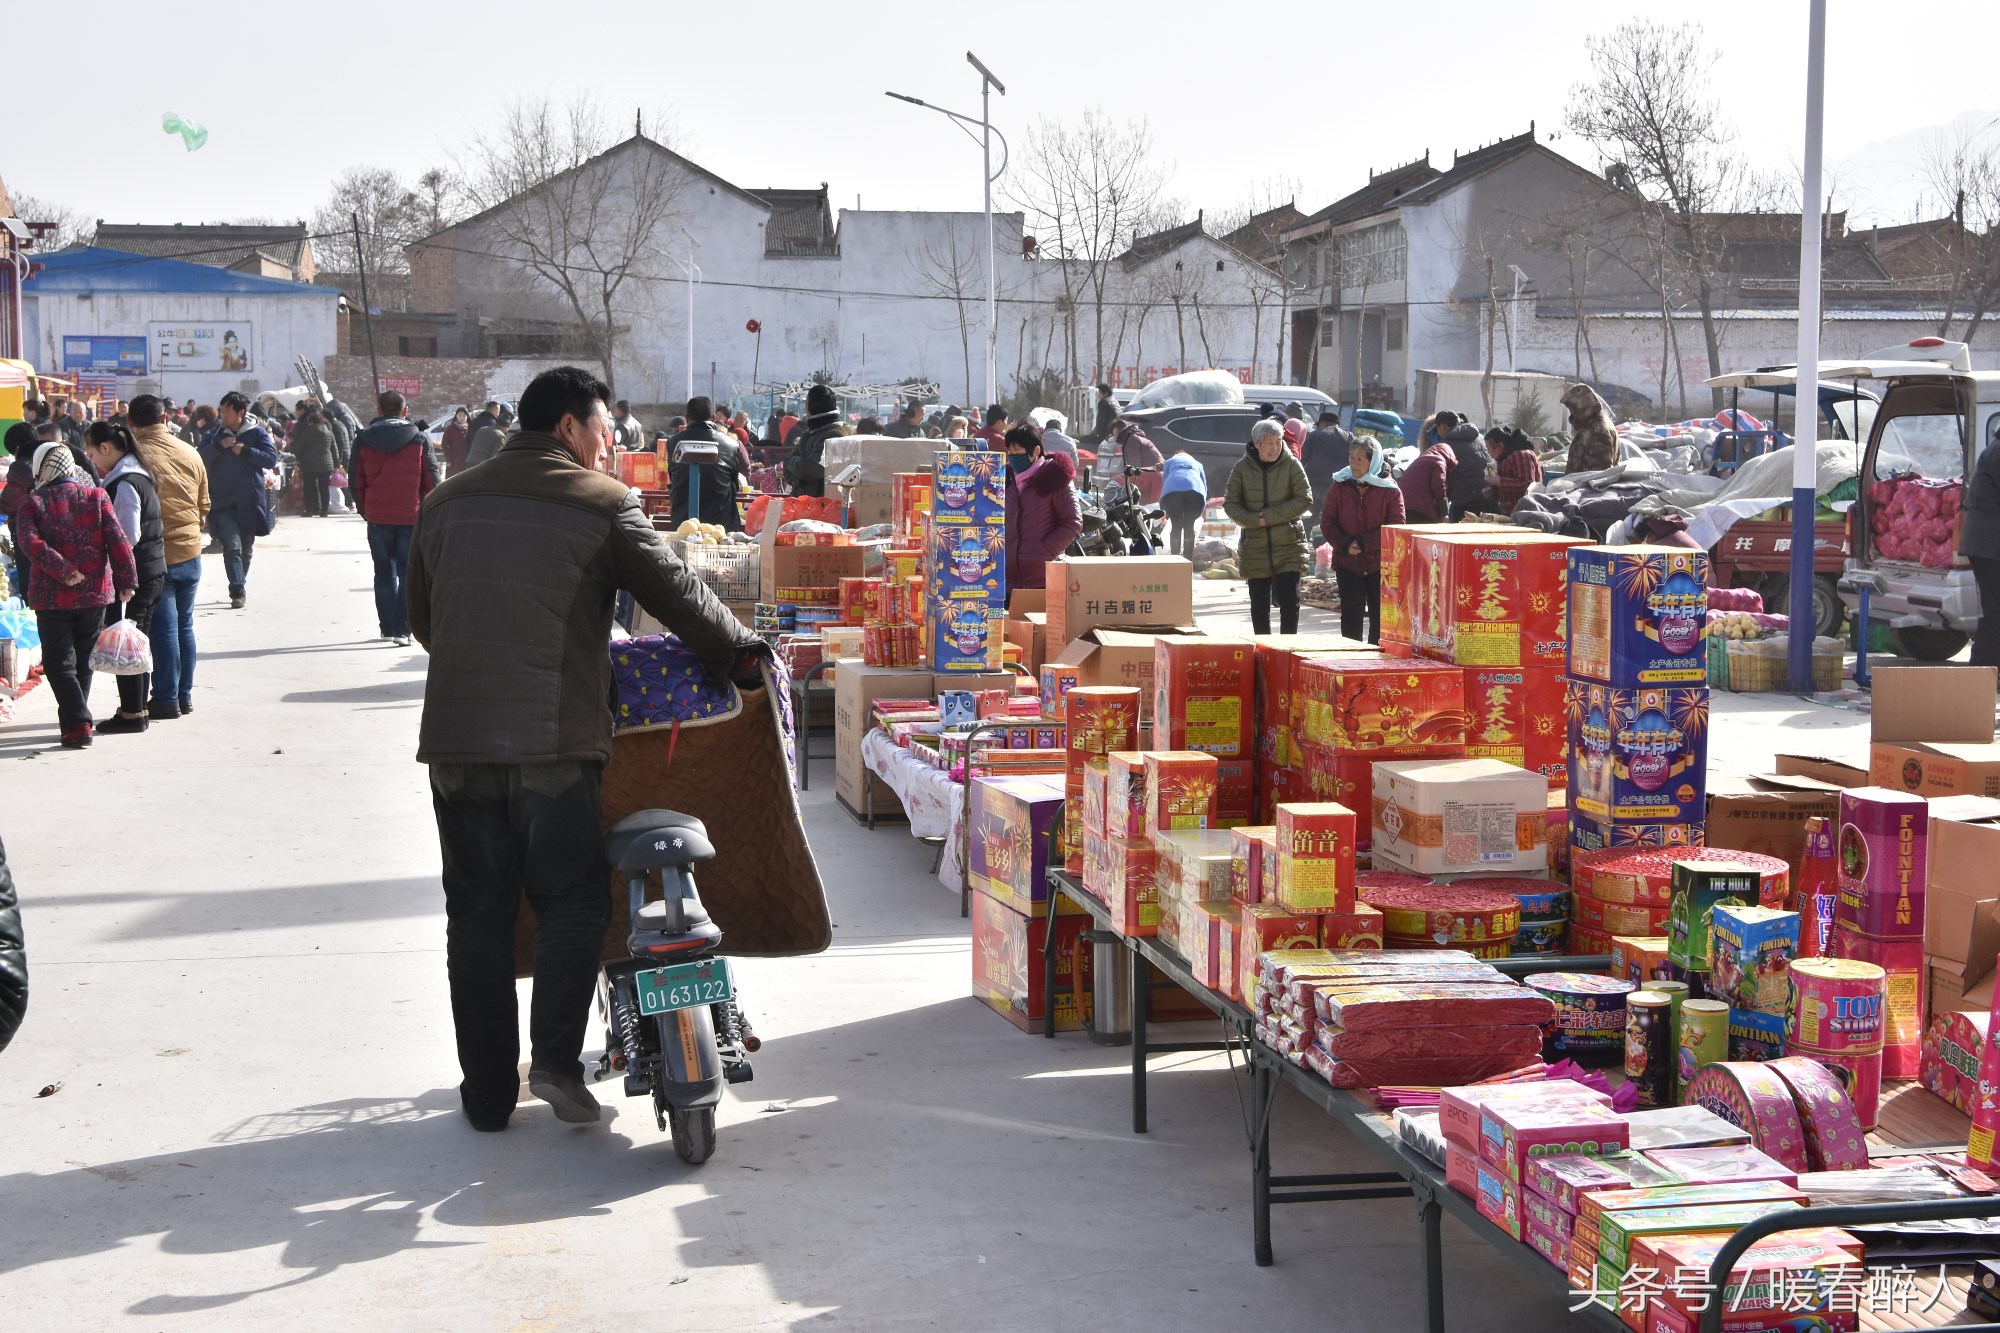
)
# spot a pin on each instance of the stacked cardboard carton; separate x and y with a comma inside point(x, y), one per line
point(1288, 768)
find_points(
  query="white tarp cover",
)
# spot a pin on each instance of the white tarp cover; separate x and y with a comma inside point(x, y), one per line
point(1196, 386)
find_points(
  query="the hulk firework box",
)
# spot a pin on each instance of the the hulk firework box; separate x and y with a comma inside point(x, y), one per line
point(1489, 600)
point(968, 490)
point(1638, 757)
point(1638, 615)
point(1883, 861)
point(1699, 887)
point(1383, 707)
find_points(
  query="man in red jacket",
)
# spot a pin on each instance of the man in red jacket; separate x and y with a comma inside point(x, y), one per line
point(390, 473)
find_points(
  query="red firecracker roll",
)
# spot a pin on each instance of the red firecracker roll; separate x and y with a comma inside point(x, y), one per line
point(1445, 914)
point(1642, 877)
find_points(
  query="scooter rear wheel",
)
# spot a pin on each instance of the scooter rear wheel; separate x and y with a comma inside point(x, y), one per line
point(694, 1133)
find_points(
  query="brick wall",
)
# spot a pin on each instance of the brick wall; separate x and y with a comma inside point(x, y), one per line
point(434, 274)
point(443, 381)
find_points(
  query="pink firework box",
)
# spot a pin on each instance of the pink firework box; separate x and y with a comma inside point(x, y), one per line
point(1551, 1245)
point(1882, 862)
point(1499, 1199)
point(1565, 1181)
point(1460, 1109)
point(1541, 1211)
point(1750, 1097)
point(1954, 1044)
point(1511, 1135)
point(1726, 1164)
point(1057, 680)
point(1125, 794)
point(1461, 1170)
point(1905, 979)
point(1980, 1151)
point(1835, 1140)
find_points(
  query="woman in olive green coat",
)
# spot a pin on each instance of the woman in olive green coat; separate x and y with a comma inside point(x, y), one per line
point(1269, 497)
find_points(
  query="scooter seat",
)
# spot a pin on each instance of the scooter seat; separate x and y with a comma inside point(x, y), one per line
point(648, 839)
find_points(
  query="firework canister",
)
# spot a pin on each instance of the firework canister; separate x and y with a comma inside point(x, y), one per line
point(1750, 1096)
point(1835, 1016)
point(1649, 1046)
point(1701, 1037)
point(1818, 895)
point(1446, 915)
point(1836, 1138)
point(1589, 1018)
point(1882, 862)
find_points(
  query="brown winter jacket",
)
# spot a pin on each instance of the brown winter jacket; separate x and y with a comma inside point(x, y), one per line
point(513, 568)
point(181, 478)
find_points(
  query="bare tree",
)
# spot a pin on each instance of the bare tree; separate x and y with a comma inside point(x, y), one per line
point(1090, 185)
point(392, 216)
point(945, 272)
point(580, 218)
point(1648, 109)
point(1962, 170)
point(66, 226)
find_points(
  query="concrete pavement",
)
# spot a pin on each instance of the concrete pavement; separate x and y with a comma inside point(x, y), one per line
point(235, 936)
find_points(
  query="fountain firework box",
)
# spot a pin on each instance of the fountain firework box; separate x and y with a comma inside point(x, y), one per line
point(1315, 857)
point(1180, 790)
point(1749, 951)
point(1754, 1035)
point(1012, 820)
point(1515, 714)
point(1383, 706)
point(967, 636)
point(1637, 756)
point(1638, 615)
point(1490, 599)
point(1458, 816)
point(1125, 794)
point(1246, 861)
point(1882, 860)
point(968, 490)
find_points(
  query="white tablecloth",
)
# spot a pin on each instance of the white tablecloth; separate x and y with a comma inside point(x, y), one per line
point(934, 803)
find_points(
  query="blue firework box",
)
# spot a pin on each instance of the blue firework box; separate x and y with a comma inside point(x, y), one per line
point(1756, 1036)
point(967, 562)
point(1750, 952)
point(966, 636)
point(1638, 615)
point(968, 489)
point(1588, 835)
point(1637, 756)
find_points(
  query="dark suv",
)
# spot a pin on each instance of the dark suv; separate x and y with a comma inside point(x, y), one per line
point(1215, 434)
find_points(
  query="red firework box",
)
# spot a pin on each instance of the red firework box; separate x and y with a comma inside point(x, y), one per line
point(1279, 658)
point(1126, 871)
point(1007, 964)
point(1180, 791)
point(1490, 599)
point(1638, 615)
point(1363, 928)
point(1405, 590)
point(1902, 997)
point(1388, 707)
point(1246, 861)
point(1515, 714)
point(1204, 694)
point(1954, 1044)
point(1263, 928)
point(1882, 855)
point(909, 501)
point(1096, 773)
point(1640, 958)
point(1125, 794)
point(1100, 719)
point(1637, 756)
point(1315, 857)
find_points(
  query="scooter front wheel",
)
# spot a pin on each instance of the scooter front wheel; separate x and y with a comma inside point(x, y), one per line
point(694, 1133)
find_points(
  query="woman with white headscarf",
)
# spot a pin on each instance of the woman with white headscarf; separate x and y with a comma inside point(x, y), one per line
point(1361, 501)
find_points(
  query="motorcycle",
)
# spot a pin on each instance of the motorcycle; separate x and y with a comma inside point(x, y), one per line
point(672, 1024)
point(1117, 522)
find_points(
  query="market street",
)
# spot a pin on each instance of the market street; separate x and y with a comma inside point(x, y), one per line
point(236, 941)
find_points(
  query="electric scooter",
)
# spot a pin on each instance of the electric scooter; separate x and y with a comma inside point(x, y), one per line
point(672, 1025)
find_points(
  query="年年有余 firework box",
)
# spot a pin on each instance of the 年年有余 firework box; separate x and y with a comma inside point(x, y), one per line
point(1490, 599)
point(968, 490)
point(1638, 615)
point(967, 564)
point(1012, 819)
point(1459, 816)
point(966, 636)
point(1515, 714)
point(1636, 756)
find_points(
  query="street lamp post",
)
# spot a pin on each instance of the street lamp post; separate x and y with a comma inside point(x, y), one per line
point(1513, 329)
point(693, 272)
point(987, 83)
point(1805, 427)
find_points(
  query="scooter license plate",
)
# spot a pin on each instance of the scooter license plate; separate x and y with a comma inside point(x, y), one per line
point(662, 990)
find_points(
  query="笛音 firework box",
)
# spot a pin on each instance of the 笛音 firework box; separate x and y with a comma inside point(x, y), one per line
point(1638, 615)
point(1637, 756)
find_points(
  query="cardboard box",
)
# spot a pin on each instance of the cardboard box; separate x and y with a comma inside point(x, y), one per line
point(1515, 714)
point(1638, 615)
point(1962, 906)
point(1766, 814)
point(802, 566)
point(1007, 964)
point(1204, 694)
point(1491, 599)
point(1012, 821)
point(1086, 592)
point(1459, 816)
point(1637, 756)
point(1115, 657)
point(1951, 704)
point(856, 688)
point(1936, 768)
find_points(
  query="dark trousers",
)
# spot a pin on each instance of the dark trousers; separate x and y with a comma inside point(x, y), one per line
point(132, 690)
point(1183, 510)
point(1284, 589)
point(67, 638)
point(315, 493)
point(238, 543)
point(173, 634)
point(1360, 594)
point(505, 830)
point(1986, 642)
point(389, 543)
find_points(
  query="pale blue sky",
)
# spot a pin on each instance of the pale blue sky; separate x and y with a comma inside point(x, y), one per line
point(775, 93)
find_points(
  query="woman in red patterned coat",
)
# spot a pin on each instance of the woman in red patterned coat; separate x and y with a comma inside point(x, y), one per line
point(1515, 466)
point(78, 562)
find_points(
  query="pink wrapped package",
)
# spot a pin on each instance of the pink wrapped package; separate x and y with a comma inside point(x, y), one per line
point(1719, 1165)
point(1523, 1043)
point(1564, 1180)
point(1459, 1109)
point(1417, 1070)
point(1432, 1005)
point(1510, 1136)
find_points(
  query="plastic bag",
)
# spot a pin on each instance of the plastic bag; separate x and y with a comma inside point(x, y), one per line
point(338, 480)
point(122, 650)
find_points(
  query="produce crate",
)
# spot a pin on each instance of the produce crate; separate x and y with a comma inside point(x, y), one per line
point(730, 570)
point(1718, 664)
point(1761, 666)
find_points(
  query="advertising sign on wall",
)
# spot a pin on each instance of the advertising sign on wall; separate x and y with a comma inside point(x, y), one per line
point(120, 354)
point(211, 347)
